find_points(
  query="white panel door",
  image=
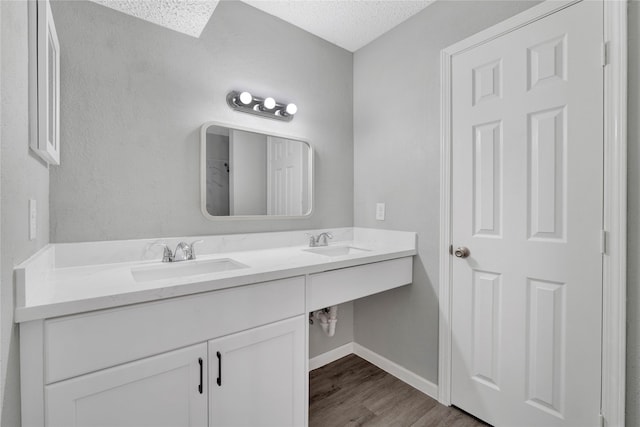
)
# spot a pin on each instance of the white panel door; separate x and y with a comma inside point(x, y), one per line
point(257, 377)
point(166, 390)
point(527, 183)
point(284, 188)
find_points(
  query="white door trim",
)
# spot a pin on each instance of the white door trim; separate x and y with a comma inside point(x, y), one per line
point(615, 199)
point(615, 215)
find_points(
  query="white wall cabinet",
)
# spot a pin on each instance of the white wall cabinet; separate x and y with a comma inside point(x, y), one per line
point(165, 390)
point(257, 377)
point(44, 81)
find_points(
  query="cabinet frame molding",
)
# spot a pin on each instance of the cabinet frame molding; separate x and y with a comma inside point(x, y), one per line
point(44, 83)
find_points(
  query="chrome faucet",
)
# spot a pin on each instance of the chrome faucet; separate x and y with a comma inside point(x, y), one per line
point(321, 239)
point(186, 251)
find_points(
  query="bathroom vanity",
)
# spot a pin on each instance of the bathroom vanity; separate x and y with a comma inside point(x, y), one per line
point(111, 335)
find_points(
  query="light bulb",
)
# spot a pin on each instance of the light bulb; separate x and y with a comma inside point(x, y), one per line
point(269, 103)
point(291, 109)
point(245, 98)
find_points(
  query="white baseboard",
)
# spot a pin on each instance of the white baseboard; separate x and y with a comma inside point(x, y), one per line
point(403, 374)
point(330, 356)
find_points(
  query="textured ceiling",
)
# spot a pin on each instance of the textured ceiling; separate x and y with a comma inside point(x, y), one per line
point(349, 24)
point(185, 16)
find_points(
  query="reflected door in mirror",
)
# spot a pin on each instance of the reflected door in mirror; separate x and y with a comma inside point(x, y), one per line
point(285, 195)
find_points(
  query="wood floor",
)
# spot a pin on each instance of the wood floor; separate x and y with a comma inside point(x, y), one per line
point(353, 392)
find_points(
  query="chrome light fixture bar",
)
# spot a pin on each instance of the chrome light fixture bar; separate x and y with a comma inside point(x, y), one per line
point(264, 107)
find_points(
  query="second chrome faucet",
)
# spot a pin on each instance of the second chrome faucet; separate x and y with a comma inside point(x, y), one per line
point(183, 252)
point(321, 239)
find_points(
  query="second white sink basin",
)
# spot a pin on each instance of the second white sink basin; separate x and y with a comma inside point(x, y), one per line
point(184, 268)
point(336, 250)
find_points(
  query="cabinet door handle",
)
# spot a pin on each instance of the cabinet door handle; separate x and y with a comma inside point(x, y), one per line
point(201, 375)
point(219, 379)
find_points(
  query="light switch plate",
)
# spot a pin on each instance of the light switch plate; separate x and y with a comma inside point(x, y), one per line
point(380, 208)
point(33, 219)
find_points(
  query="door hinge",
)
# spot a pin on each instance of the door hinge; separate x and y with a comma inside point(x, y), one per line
point(604, 53)
point(602, 424)
point(603, 242)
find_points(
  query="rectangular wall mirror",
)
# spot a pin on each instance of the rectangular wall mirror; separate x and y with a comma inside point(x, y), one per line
point(251, 175)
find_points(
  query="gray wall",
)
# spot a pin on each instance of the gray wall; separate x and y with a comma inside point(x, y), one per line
point(134, 96)
point(633, 252)
point(397, 161)
point(23, 176)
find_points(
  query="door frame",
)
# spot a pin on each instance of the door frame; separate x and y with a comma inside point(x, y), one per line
point(614, 197)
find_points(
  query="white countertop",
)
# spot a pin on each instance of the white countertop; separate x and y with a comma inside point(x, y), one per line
point(63, 279)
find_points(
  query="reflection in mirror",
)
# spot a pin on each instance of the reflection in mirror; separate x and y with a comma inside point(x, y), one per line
point(246, 173)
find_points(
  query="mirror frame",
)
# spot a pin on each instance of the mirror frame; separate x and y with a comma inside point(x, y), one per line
point(203, 175)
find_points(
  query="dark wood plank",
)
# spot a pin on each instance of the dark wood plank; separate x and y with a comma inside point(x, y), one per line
point(353, 392)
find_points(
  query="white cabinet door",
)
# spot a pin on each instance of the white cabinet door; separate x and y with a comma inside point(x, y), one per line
point(257, 377)
point(165, 390)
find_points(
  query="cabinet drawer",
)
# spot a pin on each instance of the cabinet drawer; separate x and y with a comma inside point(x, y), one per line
point(83, 343)
point(347, 284)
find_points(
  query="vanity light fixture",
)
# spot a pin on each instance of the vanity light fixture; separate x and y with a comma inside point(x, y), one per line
point(265, 107)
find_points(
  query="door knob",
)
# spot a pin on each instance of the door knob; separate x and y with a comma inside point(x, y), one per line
point(462, 252)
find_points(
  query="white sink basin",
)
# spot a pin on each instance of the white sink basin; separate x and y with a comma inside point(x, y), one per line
point(332, 251)
point(184, 269)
